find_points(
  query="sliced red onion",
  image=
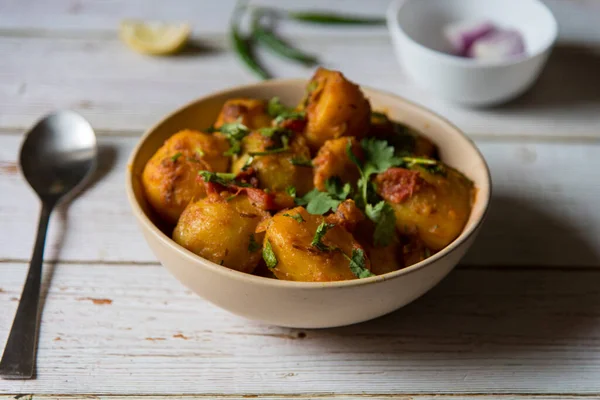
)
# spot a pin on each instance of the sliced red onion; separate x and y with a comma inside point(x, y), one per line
point(498, 45)
point(462, 35)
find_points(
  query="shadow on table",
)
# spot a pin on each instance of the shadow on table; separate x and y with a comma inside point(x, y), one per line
point(569, 79)
point(479, 317)
point(517, 232)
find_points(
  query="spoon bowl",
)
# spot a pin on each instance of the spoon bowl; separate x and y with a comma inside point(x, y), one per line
point(58, 157)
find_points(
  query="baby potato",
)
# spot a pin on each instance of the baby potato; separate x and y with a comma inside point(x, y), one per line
point(433, 206)
point(332, 160)
point(223, 231)
point(290, 234)
point(336, 107)
point(404, 139)
point(277, 171)
point(170, 176)
point(252, 112)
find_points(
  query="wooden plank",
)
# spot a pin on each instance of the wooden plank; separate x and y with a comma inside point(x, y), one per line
point(117, 89)
point(544, 211)
point(299, 397)
point(134, 330)
point(577, 19)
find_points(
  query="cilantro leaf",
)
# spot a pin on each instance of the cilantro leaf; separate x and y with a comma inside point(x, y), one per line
point(281, 113)
point(269, 255)
point(291, 190)
point(234, 132)
point(253, 245)
point(385, 222)
point(317, 241)
point(274, 131)
point(379, 156)
point(275, 107)
point(320, 202)
point(297, 217)
point(175, 156)
point(301, 162)
point(338, 190)
point(431, 165)
point(357, 264)
point(222, 178)
point(248, 163)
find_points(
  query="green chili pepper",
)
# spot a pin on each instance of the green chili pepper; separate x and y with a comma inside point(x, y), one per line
point(242, 47)
point(331, 18)
point(277, 45)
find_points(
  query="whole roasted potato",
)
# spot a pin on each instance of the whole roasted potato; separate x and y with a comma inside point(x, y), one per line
point(332, 160)
point(251, 112)
point(277, 171)
point(335, 107)
point(222, 230)
point(170, 177)
point(290, 235)
point(435, 206)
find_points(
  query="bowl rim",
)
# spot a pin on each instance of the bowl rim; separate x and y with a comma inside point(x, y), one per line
point(147, 224)
point(395, 29)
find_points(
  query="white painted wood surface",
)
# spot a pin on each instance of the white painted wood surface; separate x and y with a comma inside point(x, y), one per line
point(133, 330)
point(519, 319)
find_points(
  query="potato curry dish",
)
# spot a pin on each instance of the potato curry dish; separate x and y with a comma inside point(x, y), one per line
point(326, 190)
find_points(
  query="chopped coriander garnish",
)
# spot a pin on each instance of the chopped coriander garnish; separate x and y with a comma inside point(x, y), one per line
point(253, 245)
point(319, 203)
point(289, 115)
point(248, 163)
point(234, 132)
point(301, 162)
point(291, 190)
point(281, 113)
point(176, 156)
point(385, 222)
point(211, 129)
point(357, 264)
point(222, 178)
point(297, 217)
point(273, 131)
point(269, 255)
point(317, 241)
point(199, 151)
point(337, 189)
point(275, 107)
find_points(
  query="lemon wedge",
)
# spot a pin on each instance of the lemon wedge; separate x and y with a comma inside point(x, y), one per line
point(155, 38)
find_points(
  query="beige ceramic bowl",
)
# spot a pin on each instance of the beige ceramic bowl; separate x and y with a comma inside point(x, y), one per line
point(308, 304)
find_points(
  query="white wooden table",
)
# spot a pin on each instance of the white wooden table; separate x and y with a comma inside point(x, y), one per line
point(519, 318)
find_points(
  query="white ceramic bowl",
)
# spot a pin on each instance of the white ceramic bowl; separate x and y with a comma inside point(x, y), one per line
point(416, 28)
point(308, 304)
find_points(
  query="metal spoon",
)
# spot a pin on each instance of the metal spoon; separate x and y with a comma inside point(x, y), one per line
point(57, 157)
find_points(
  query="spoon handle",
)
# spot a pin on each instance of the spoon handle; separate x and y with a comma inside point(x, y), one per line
point(18, 360)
